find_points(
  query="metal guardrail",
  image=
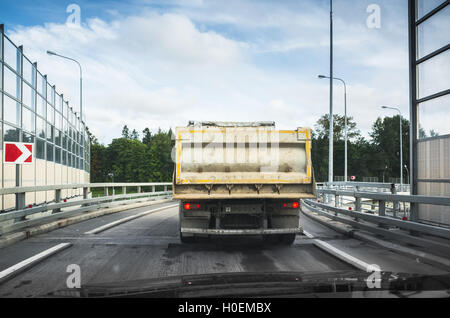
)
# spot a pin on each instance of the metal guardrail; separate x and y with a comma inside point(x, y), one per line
point(374, 186)
point(21, 191)
point(378, 200)
point(19, 215)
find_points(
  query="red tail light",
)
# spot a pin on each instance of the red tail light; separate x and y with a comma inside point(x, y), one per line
point(291, 205)
point(191, 206)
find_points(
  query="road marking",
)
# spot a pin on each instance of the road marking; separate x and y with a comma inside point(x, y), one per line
point(309, 235)
point(343, 256)
point(129, 218)
point(29, 262)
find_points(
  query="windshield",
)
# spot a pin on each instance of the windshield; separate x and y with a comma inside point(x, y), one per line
point(207, 149)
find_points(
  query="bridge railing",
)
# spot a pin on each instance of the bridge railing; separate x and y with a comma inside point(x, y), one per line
point(24, 216)
point(384, 206)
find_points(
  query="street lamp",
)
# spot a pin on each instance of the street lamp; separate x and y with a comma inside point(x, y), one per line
point(81, 80)
point(407, 171)
point(345, 118)
point(330, 150)
point(401, 146)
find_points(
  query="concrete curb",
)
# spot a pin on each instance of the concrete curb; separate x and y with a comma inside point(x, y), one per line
point(347, 230)
point(44, 228)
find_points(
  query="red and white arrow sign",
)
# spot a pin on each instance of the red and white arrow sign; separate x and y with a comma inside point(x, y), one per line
point(18, 152)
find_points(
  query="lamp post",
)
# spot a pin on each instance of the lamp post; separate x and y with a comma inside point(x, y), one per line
point(407, 171)
point(330, 150)
point(345, 119)
point(401, 145)
point(81, 80)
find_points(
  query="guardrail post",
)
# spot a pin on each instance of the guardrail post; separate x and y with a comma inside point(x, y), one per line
point(381, 208)
point(153, 188)
point(105, 192)
point(414, 212)
point(396, 203)
point(20, 204)
point(124, 190)
point(57, 200)
point(165, 188)
point(414, 216)
point(139, 189)
point(358, 204)
point(336, 200)
point(85, 195)
point(382, 212)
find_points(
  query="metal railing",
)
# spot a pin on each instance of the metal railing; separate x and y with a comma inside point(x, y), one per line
point(24, 216)
point(384, 202)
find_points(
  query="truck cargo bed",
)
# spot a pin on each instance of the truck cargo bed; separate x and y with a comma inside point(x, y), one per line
point(242, 160)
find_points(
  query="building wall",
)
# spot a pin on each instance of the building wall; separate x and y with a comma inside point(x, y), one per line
point(32, 110)
point(434, 177)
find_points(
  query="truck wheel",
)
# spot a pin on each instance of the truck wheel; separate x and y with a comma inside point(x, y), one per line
point(287, 239)
point(186, 239)
point(270, 239)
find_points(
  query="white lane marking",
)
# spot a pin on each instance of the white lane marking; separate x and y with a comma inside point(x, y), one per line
point(343, 256)
point(309, 235)
point(128, 218)
point(7, 273)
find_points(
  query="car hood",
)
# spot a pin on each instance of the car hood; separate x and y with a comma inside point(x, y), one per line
point(264, 284)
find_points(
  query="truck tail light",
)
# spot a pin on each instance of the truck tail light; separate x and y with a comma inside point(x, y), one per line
point(291, 205)
point(191, 206)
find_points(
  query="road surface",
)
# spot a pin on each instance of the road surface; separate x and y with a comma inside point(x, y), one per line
point(149, 247)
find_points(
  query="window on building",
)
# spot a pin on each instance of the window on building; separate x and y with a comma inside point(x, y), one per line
point(40, 148)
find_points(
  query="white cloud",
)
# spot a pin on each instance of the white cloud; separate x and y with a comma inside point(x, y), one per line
point(161, 70)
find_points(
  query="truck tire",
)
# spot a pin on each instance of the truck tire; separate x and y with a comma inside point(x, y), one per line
point(287, 239)
point(270, 239)
point(186, 239)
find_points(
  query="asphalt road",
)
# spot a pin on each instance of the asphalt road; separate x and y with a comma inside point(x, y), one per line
point(149, 247)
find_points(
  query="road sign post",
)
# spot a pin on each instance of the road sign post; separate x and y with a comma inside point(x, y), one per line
point(18, 153)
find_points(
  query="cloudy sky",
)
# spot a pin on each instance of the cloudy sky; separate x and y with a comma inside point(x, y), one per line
point(152, 63)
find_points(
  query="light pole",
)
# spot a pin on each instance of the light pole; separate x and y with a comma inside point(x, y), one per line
point(345, 119)
point(81, 80)
point(407, 171)
point(384, 171)
point(330, 150)
point(401, 145)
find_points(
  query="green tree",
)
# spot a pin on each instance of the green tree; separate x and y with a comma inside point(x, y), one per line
point(385, 140)
point(126, 159)
point(322, 127)
point(320, 145)
point(125, 132)
point(99, 163)
point(134, 135)
point(159, 160)
point(147, 136)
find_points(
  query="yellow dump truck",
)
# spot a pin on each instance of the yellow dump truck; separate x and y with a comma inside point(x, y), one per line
point(235, 178)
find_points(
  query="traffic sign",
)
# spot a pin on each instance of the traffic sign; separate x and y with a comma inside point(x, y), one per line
point(352, 178)
point(18, 152)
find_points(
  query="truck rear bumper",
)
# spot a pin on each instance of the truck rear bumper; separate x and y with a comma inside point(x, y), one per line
point(185, 230)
